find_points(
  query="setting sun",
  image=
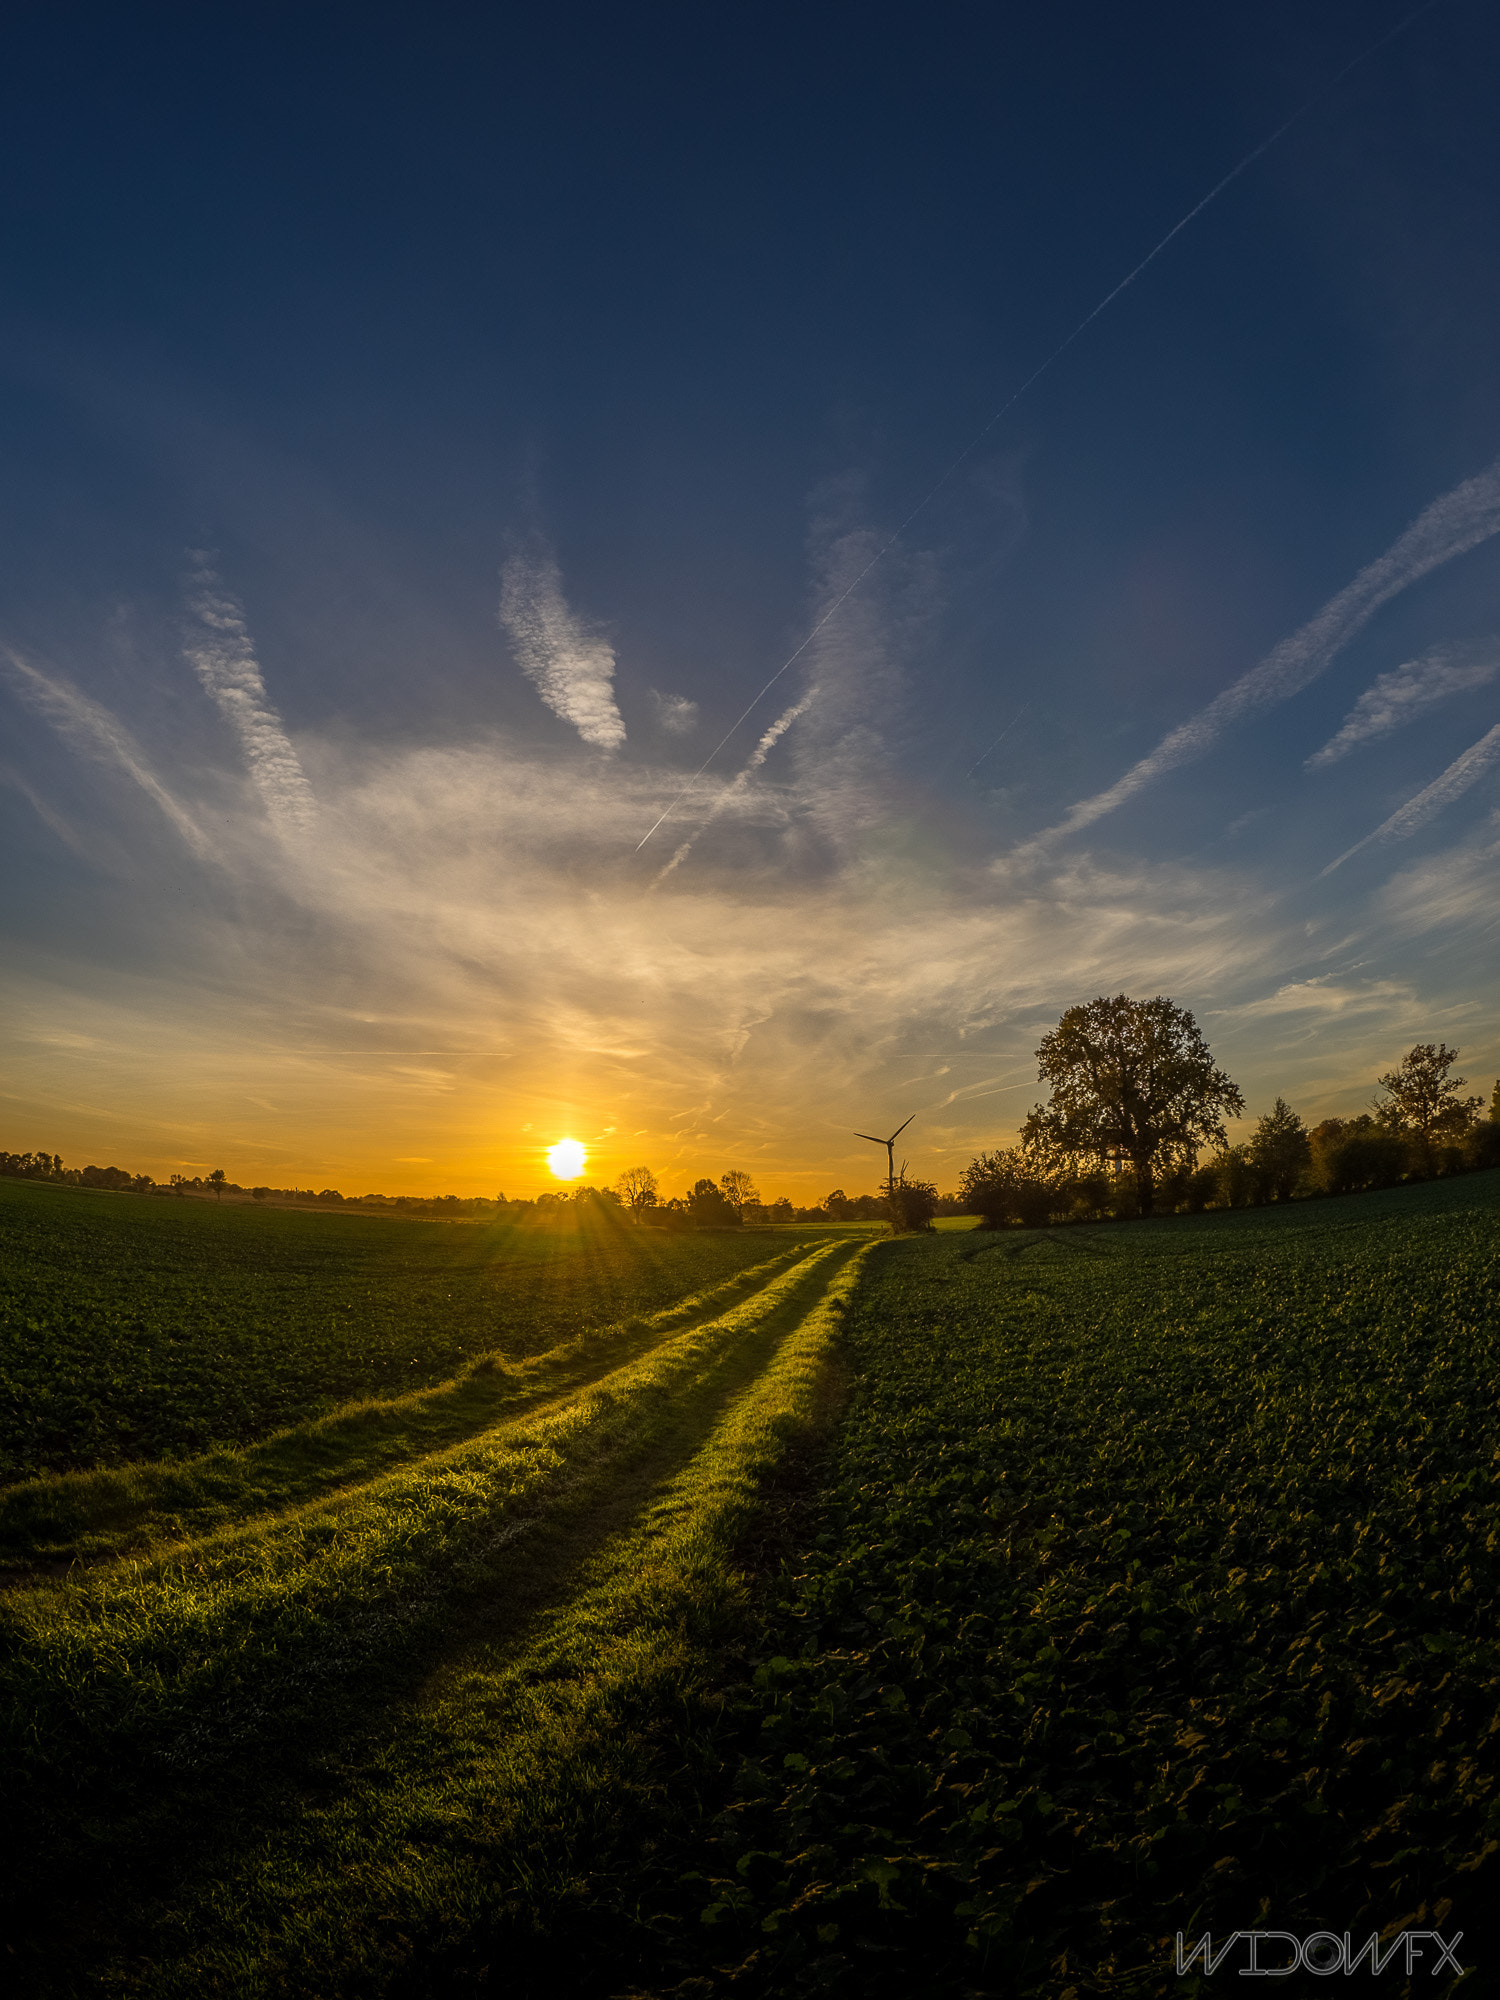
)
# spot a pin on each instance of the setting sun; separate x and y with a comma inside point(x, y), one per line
point(567, 1159)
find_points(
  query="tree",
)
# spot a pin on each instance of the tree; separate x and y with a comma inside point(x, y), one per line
point(1131, 1080)
point(1279, 1152)
point(1009, 1186)
point(710, 1209)
point(1423, 1099)
point(911, 1204)
point(638, 1189)
point(739, 1190)
point(216, 1182)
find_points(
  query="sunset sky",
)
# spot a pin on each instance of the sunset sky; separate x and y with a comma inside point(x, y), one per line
point(427, 431)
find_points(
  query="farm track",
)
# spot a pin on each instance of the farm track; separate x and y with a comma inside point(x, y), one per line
point(48, 1526)
point(190, 1690)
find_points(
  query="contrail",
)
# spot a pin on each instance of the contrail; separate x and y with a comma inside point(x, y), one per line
point(1036, 375)
point(998, 740)
point(1447, 527)
point(757, 757)
point(223, 657)
point(94, 731)
point(1408, 819)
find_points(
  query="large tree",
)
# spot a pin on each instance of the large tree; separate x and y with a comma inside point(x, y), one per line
point(1132, 1082)
point(738, 1188)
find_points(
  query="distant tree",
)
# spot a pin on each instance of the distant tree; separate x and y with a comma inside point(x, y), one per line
point(738, 1189)
point(1132, 1079)
point(1423, 1099)
point(838, 1206)
point(1235, 1180)
point(638, 1189)
point(178, 1183)
point(216, 1181)
point(1279, 1153)
point(710, 1209)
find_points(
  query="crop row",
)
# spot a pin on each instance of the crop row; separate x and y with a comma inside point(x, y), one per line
point(1155, 1588)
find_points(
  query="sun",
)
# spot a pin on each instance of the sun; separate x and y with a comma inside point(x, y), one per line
point(567, 1159)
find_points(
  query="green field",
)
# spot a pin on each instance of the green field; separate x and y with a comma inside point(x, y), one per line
point(133, 1328)
point(961, 1614)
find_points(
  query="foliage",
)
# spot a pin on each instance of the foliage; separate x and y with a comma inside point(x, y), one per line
point(739, 1190)
point(1152, 1584)
point(1010, 1186)
point(1353, 1153)
point(1133, 1078)
point(710, 1207)
point(1280, 1152)
point(138, 1329)
point(1423, 1098)
point(911, 1204)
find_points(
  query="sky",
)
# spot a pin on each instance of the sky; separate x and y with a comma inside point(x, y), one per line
point(543, 593)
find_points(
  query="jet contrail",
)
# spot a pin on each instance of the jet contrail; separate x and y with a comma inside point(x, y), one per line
point(1409, 819)
point(997, 742)
point(758, 757)
point(1036, 375)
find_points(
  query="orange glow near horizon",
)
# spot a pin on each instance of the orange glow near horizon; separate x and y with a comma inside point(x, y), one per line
point(567, 1159)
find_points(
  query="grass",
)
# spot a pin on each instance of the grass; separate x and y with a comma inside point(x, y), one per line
point(134, 1329)
point(1149, 1581)
point(1154, 1587)
point(143, 1692)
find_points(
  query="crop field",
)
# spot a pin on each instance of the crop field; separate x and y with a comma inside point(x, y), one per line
point(134, 1328)
point(960, 1615)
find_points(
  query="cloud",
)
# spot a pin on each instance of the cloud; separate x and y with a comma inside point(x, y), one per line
point(224, 659)
point(92, 731)
point(1463, 772)
point(573, 668)
point(675, 713)
point(1457, 521)
point(1406, 692)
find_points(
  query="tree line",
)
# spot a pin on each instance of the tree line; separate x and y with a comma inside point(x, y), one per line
point(1137, 1103)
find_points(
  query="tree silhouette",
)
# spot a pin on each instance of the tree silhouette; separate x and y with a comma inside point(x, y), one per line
point(1279, 1152)
point(738, 1188)
point(1132, 1080)
point(1423, 1099)
point(709, 1207)
point(638, 1189)
point(216, 1181)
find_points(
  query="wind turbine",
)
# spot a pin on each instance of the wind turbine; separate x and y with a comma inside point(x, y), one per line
point(890, 1147)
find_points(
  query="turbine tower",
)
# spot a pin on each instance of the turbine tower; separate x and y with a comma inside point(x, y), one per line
point(890, 1148)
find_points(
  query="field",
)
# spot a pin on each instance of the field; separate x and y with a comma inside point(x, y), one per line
point(135, 1328)
point(963, 1614)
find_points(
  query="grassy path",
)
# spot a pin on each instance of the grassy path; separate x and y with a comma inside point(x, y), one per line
point(383, 1698)
point(48, 1524)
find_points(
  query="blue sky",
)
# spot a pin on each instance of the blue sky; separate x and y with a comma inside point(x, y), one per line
point(425, 437)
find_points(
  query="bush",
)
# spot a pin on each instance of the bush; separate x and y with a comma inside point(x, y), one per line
point(1011, 1186)
point(911, 1205)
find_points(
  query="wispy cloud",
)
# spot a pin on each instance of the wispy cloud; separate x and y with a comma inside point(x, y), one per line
point(90, 729)
point(1457, 521)
point(1463, 772)
point(1408, 691)
point(675, 713)
point(223, 656)
point(573, 667)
